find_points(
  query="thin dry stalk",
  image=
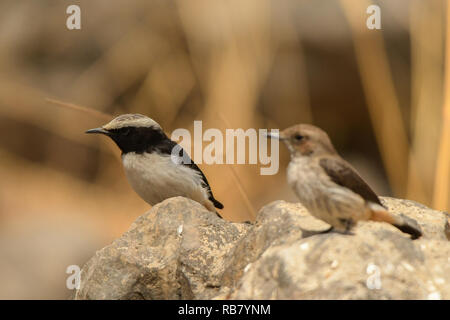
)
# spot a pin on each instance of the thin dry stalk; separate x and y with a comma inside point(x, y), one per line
point(427, 59)
point(237, 181)
point(442, 176)
point(97, 114)
point(381, 97)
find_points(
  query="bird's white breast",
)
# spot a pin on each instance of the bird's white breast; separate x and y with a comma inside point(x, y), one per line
point(156, 177)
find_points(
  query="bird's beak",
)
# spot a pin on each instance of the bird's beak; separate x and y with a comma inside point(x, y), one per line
point(275, 135)
point(98, 130)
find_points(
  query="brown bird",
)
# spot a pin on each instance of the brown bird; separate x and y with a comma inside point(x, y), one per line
point(329, 187)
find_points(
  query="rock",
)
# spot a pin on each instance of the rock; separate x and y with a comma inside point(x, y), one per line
point(175, 251)
point(179, 250)
point(380, 265)
point(376, 262)
point(434, 223)
point(277, 223)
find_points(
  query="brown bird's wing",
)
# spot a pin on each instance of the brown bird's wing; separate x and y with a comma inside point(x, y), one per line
point(343, 174)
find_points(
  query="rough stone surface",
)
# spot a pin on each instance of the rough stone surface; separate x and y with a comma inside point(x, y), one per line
point(175, 251)
point(178, 250)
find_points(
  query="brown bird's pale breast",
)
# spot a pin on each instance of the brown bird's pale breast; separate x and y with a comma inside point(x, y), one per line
point(322, 197)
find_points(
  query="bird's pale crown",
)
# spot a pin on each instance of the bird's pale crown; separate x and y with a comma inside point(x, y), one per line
point(131, 120)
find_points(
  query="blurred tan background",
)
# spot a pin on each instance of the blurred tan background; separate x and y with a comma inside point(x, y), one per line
point(380, 94)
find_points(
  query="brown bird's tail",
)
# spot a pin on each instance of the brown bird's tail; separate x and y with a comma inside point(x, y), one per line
point(401, 222)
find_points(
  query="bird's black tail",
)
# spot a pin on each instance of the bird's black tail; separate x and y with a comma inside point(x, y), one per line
point(401, 222)
point(211, 204)
point(409, 226)
point(216, 203)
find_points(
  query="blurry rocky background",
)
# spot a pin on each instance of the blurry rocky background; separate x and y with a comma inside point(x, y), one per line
point(380, 94)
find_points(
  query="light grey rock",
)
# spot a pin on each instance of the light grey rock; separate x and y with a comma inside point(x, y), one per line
point(175, 251)
point(376, 262)
point(277, 223)
point(179, 250)
point(434, 224)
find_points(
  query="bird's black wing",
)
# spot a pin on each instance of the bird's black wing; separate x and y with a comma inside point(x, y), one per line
point(343, 174)
point(167, 146)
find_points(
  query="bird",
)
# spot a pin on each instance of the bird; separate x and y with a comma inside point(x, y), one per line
point(149, 163)
point(329, 187)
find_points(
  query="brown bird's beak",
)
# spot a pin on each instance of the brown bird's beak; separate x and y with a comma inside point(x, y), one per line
point(98, 130)
point(275, 135)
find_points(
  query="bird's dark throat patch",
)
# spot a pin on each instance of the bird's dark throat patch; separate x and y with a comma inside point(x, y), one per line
point(141, 139)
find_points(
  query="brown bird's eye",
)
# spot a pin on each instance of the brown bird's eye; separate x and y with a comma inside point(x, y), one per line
point(126, 131)
point(298, 137)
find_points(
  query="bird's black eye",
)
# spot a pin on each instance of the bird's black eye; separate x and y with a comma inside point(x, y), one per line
point(126, 131)
point(298, 137)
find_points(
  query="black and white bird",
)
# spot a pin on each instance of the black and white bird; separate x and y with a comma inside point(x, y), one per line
point(150, 167)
